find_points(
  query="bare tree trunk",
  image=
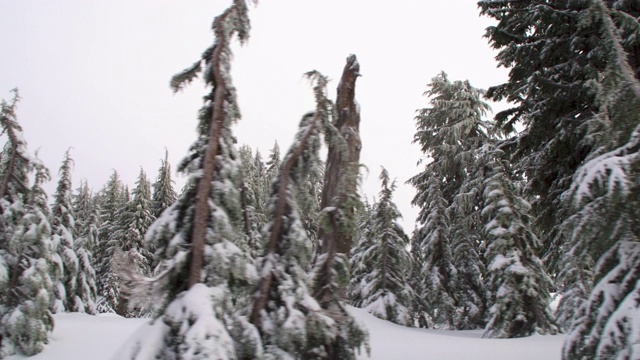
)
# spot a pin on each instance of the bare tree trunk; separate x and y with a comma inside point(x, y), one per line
point(341, 174)
point(202, 211)
point(276, 229)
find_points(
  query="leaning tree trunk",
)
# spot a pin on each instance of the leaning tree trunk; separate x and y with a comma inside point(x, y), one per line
point(202, 210)
point(341, 173)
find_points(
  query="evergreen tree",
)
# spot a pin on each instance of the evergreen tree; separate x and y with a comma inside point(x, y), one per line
point(289, 319)
point(604, 196)
point(386, 293)
point(291, 322)
point(359, 263)
point(87, 223)
point(63, 226)
point(273, 163)
point(516, 275)
point(203, 272)
point(437, 284)
point(163, 193)
point(451, 133)
point(26, 253)
point(554, 60)
point(111, 203)
point(133, 223)
point(252, 193)
point(27, 320)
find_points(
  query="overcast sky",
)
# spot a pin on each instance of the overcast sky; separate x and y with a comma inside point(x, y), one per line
point(94, 75)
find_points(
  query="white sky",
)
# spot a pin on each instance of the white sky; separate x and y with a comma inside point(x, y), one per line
point(94, 75)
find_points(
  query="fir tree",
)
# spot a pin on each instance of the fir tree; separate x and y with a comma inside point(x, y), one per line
point(273, 163)
point(359, 263)
point(386, 293)
point(516, 275)
point(437, 284)
point(86, 244)
point(253, 192)
point(133, 223)
point(26, 253)
point(63, 226)
point(604, 196)
point(451, 132)
point(554, 60)
point(202, 270)
point(27, 320)
point(111, 203)
point(163, 193)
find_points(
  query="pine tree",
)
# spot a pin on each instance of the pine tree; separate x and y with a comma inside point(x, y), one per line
point(516, 275)
point(27, 322)
point(451, 133)
point(554, 60)
point(86, 244)
point(359, 263)
point(386, 293)
point(437, 285)
point(273, 163)
point(111, 203)
point(291, 322)
point(63, 226)
point(252, 193)
point(133, 223)
point(202, 270)
point(26, 254)
point(163, 193)
point(604, 197)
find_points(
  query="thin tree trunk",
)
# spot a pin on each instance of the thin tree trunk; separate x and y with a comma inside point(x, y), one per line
point(276, 228)
point(341, 174)
point(202, 211)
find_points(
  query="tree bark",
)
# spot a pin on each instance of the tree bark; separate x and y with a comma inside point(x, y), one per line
point(341, 174)
point(202, 211)
point(276, 229)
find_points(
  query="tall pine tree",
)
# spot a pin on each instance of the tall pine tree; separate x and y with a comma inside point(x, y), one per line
point(203, 272)
point(385, 289)
point(26, 253)
point(516, 275)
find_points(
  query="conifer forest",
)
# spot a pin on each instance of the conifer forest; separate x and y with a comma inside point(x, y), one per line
point(262, 255)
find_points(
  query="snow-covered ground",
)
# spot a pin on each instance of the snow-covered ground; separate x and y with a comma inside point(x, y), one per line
point(81, 337)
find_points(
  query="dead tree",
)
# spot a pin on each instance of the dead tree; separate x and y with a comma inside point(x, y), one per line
point(341, 173)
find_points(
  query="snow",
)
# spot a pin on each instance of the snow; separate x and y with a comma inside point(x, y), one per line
point(81, 336)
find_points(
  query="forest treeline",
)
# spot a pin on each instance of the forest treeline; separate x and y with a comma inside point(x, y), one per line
point(258, 258)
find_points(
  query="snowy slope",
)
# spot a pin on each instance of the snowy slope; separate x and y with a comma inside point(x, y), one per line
point(81, 337)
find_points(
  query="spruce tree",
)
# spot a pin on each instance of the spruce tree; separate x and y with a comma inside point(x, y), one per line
point(163, 193)
point(63, 227)
point(604, 196)
point(111, 203)
point(451, 132)
point(291, 322)
point(516, 275)
point(202, 270)
point(134, 223)
point(554, 60)
point(254, 215)
point(437, 283)
point(86, 244)
point(359, 262)
point(26, 253)
point(386, 293)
